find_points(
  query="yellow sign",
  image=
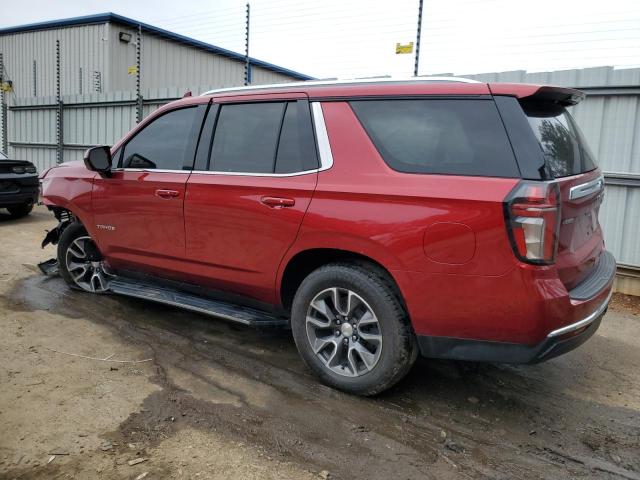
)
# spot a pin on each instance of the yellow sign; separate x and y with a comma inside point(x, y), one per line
point(400, 48)
point(6, 87)
point(132, 70)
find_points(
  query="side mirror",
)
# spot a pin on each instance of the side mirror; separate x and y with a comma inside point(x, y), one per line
point(98, 159)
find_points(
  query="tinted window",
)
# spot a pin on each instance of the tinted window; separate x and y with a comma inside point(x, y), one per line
point(246, 137)
point(166, 143)
point(296, 149)
point(458, 137)
point(564, 147)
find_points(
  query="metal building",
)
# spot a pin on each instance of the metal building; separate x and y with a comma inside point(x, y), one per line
point(75, 83)
point(98, 54)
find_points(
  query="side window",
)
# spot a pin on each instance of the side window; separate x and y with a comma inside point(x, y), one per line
point(167, 143)
point(246, 137)
point(454, 137)
point(296, 148)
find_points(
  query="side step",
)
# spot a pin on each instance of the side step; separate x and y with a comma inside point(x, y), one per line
point(188, 301)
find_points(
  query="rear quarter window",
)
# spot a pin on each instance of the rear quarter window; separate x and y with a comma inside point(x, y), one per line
point(454, 137)
point(562, 143)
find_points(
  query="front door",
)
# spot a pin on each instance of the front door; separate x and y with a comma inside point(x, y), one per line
point(139, 208)
point(244, 207)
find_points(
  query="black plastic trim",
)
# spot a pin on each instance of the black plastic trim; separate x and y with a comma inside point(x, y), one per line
point(526, 147)
point(600, 277)
point(503, 352)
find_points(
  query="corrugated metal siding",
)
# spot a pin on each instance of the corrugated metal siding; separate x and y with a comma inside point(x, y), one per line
point(169, 64)
point(97, 48)
point(610, 119)
point(81, 47)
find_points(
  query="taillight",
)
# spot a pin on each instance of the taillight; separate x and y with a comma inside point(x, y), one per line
point(532, 211)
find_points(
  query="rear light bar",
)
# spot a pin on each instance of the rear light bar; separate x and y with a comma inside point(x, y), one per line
point(532, 213)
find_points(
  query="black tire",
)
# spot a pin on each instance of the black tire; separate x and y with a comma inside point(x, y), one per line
point(91, 273)
point(72, 232)
point(18, 211)
point(398, 346)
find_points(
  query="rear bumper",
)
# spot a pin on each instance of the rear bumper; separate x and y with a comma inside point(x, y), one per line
point(564, 322)
point(557, 342)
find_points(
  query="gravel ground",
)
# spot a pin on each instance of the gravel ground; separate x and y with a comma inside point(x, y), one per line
point(211, 400)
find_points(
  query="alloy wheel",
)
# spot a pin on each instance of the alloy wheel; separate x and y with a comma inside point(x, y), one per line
point(86, 269)
point(344, 332)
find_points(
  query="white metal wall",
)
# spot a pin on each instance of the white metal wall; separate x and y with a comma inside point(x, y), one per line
point(96, 48)
point(166, 63)
point(81, 47)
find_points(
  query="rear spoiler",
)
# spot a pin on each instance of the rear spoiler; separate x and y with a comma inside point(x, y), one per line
point(545, 93)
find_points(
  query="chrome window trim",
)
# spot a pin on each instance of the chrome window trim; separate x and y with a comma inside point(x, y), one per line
point(322, 137)
point(253, 174)
point(585, 189)
point(584, 322)
point(149, 170)
point(209, 172)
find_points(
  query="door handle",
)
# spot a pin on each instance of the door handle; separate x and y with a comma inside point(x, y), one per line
point(167, 193)
point(278, 202)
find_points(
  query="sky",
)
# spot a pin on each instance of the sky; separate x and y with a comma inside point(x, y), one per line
point(357, 38)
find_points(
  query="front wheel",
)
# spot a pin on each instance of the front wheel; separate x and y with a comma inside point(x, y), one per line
point(351, 329)
point(18, 211)
point(80, 262)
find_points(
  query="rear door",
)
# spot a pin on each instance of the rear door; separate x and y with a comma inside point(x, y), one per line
point(248, 193)
point(139, 208)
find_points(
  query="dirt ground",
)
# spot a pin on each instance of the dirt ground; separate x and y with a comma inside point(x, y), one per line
point(211, 400)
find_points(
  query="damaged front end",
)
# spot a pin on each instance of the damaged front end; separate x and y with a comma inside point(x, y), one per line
point(65, 218)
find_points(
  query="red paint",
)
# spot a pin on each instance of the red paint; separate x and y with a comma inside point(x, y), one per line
point(449, 242)
point(442, 238)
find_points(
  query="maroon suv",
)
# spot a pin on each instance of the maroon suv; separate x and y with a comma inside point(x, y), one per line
point(379, 219)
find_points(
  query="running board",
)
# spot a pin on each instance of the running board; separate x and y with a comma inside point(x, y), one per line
point(188, 301)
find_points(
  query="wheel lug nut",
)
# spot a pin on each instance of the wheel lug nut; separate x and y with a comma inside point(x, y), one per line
point(338, 321)
point(337, 333)
point(346, 341)
point(355, 338)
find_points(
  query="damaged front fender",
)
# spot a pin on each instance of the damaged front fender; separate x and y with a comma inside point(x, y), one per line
point(64, 220)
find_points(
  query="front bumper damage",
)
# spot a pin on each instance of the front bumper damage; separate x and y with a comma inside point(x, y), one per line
point(65, 218)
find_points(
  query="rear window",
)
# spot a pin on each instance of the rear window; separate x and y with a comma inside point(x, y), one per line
point(563, 144)
point(455, 137)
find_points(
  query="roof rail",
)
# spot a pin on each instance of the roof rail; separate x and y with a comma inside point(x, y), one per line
point(331, 82)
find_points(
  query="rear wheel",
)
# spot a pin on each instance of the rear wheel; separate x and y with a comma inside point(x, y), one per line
point(80, 262)
point(22, 210)
point(351, 329)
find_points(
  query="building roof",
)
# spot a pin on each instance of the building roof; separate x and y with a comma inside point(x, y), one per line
point(129, 22)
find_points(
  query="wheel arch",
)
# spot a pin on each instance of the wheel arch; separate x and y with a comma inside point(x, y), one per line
point(302, 263)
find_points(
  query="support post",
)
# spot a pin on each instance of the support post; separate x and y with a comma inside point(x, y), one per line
point(418, 35)
point(247, 62)
point(34, 77)
point(59, 109)
point(138, 65)
point(3, 107)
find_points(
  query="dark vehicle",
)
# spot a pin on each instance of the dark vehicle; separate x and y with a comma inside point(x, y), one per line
point(18, 186)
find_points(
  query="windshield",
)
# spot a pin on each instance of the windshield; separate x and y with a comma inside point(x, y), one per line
point(563, 144)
